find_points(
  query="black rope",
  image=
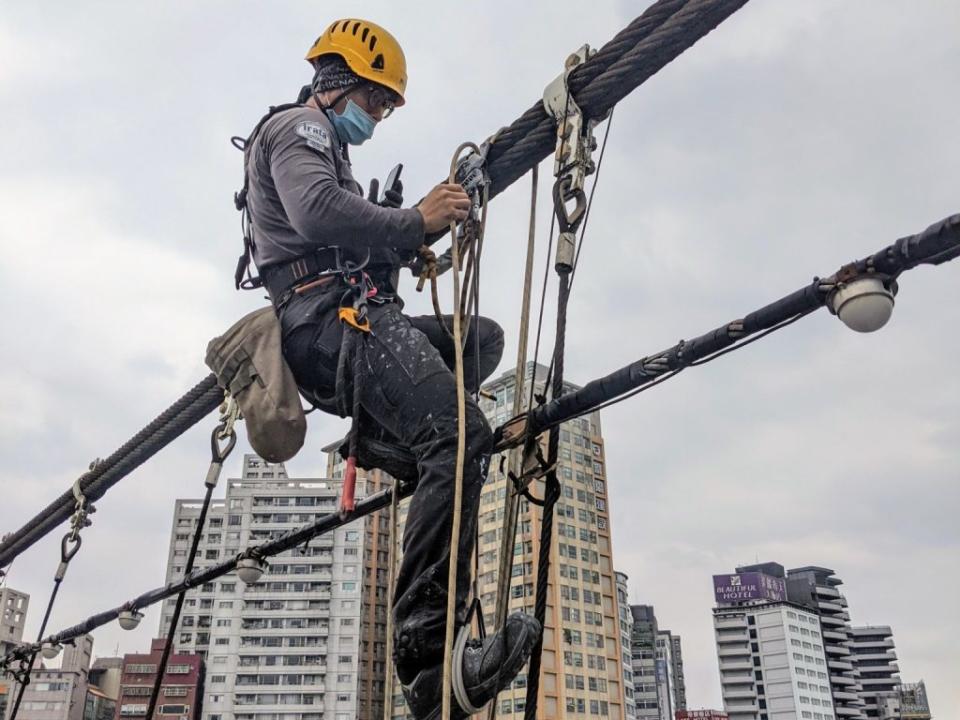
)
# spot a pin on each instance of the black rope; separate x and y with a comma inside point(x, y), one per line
point(223, 432)
point(69, 547)
point(178, 607)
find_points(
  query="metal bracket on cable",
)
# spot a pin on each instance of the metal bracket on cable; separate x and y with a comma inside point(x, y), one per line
point(573, 160)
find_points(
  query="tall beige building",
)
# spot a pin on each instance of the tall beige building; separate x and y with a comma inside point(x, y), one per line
point(582, 668)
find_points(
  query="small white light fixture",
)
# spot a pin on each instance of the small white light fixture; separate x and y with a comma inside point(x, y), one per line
point(50, 651)
point(864, 304)
point(129, 619)
point(249, 569)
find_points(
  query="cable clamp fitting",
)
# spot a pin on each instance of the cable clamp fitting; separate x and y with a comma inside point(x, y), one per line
point(573, 160)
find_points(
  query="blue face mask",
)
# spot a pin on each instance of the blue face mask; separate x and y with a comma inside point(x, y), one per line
point(355, 126)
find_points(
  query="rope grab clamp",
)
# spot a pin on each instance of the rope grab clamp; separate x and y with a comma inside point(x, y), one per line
point(573, 160)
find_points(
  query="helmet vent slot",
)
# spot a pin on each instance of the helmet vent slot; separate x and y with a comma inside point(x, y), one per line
point(377, 63)
point(373, 42)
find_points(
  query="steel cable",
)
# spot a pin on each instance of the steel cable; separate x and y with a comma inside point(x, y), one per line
point(196, 404)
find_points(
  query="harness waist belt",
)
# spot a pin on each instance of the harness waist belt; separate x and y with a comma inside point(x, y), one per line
point(278, 279)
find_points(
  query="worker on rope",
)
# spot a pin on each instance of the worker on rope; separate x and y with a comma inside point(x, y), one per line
point(330, 261)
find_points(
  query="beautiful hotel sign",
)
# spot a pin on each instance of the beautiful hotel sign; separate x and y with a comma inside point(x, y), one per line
point(741, 587)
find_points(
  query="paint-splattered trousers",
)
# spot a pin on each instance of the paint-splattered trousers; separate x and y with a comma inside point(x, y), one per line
point(409, 390)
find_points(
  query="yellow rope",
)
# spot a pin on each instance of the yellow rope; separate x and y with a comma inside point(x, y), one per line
point(511, 501)
point(461, 452)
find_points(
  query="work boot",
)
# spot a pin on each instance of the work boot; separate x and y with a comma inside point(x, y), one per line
point(481, 669)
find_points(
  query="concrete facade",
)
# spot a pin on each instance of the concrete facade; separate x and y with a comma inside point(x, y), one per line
point(659, 688)
point(286, 647)
point(582, 662)
point(876, 659)
point(54, 694)
point(772, 662)
point(13, 614)
point(626, 633)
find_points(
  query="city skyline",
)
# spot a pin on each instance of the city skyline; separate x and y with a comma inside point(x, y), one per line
point(792, 139)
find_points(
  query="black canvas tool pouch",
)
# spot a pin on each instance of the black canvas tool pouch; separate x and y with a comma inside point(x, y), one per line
point(248, 362)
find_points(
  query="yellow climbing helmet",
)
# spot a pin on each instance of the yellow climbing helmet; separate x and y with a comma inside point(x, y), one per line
point(369, 51)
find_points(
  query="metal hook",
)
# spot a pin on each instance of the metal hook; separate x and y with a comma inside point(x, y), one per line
point(568, 220)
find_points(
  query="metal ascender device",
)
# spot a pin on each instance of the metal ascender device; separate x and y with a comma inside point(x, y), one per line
point(573, 160)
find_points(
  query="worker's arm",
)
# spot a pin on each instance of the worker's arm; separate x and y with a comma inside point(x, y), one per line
point(301, 152)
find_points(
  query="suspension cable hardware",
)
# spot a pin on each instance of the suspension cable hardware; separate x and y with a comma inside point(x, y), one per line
point(223, 439)
point(573, 159)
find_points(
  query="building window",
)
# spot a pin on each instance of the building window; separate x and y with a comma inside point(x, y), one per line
point(141, 670)
point(173, 709)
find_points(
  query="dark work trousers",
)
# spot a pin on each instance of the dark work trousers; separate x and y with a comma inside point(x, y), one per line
point(409, 390)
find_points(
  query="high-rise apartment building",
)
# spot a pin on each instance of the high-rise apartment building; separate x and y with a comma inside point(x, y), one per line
point(13, 615)
point(582, 667)
point(181, 690)
point(643, 652)
point(816, 588)
point(668, 667)
point(876, 659)
point(626, 633)
point(288, 646)
point(773, 665)
point(659, 689)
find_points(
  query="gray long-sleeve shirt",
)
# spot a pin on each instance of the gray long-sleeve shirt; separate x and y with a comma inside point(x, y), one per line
point(302, 196)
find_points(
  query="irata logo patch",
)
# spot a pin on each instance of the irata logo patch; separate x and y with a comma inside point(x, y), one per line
point(315, 134)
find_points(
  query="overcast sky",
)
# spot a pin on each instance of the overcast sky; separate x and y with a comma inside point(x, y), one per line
point(796, 137)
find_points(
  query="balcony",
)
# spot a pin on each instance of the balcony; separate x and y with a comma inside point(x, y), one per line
point(833, 622)
point(843, 695)
point(739, 694)
point(729, 652)
point(735, 622)
point(835, 636)
point(828, 591)
point(837, 650)
point(735, 664)
point(837, 679)
point(733, 636)
point(844, 711)
point(827, 606)
point(879, 659)
point(839, 665)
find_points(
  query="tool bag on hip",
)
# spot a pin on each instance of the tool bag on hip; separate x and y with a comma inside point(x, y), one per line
point(248, 362)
